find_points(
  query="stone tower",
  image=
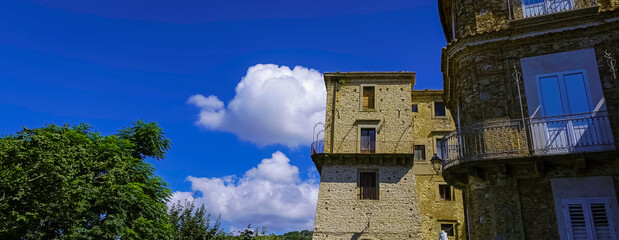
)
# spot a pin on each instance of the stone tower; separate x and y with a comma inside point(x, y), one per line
point(369, 187)
point(533, 86)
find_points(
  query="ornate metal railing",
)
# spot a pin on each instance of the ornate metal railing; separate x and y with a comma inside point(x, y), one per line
point(318, 147)
point(533, 8)
point(352, 146)
point(564, 134)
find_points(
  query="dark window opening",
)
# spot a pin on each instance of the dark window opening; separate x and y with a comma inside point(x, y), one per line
point(368, 140)
point(368, 188)
point(368, 97)
point(440, 148)
point(420, 152)
point(444, 192)
point(439, 109)
point(448, 228)
point(415, 108)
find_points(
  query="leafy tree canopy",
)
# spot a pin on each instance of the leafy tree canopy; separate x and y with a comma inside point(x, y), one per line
point(62, 182)
point(191, 223)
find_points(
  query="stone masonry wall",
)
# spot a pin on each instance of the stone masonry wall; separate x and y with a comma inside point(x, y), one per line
point(392, 115)
point(435, 211)
point(511, 197)
point(341, 215)
point(480, 16)
point(426, 127)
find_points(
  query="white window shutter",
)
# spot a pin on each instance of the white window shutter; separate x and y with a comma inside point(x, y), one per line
point(602, 226)
point(589, 218)
point(577, 221)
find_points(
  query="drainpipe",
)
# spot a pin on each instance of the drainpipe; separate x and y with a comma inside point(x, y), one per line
point(468, 226)
point(333, 114)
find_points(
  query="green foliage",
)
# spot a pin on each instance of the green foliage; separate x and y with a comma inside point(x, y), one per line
point(190, 223)
point(303, 235)
point(71, 183)
point(261, 234)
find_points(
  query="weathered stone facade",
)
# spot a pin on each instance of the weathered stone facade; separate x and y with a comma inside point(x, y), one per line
point(509, 190)
point(403, 184)
point(427, 128)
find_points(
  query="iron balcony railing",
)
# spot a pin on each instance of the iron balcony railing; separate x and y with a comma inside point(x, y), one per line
point(533, 8)
point(590, 132)
point(348, 146)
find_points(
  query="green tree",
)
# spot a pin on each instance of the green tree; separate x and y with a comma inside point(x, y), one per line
point(190, 223)
point(303, 235)
point(62, 182)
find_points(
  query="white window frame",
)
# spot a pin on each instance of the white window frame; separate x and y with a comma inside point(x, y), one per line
point(562, 91)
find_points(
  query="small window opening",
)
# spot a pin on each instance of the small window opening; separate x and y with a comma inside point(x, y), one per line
point(420, 152)
point(415, 108)
point(368, 97)
point(444, 192)
point(368, 140)
point(368, 188)
point(448, 228)
point(439, 109)
point(440, 148)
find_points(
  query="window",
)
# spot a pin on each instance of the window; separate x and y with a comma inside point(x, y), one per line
point(588, 218)
point(563, 93)
point(449, 229)
point(444, 192)
point(415, 108)
point(368, 97)
point(420, 152)
point(368, 189)
point(439, 109)
point(440, 148)
point(368, 140)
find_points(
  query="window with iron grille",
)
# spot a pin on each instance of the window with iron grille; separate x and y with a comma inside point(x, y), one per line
point(589, 218)
point(449, 228)
point(532, 8)
point(415, 108)
point(368, 186)
point(420, 152)
point(444, 192)
point(368, 97)
point(368, 140)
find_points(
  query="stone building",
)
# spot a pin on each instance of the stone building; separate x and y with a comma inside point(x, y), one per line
point(440, 205)
point(372, 186)
point(534, 91)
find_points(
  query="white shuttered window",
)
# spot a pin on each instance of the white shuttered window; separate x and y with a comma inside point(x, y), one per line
point(589, 218)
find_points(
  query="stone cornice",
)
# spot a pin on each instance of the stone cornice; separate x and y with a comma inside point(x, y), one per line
point(381, 159)
point(421, 94)
point(370, 75)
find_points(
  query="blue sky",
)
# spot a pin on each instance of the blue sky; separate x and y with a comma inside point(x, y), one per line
point(108, 63)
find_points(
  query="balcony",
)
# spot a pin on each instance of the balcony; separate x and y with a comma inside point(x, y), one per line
point(534, 8)
point(566, 134)
point(365, 148)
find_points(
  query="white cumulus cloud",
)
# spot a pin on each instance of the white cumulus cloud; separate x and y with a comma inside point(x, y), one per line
point(270, 195)
point(273, 105)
